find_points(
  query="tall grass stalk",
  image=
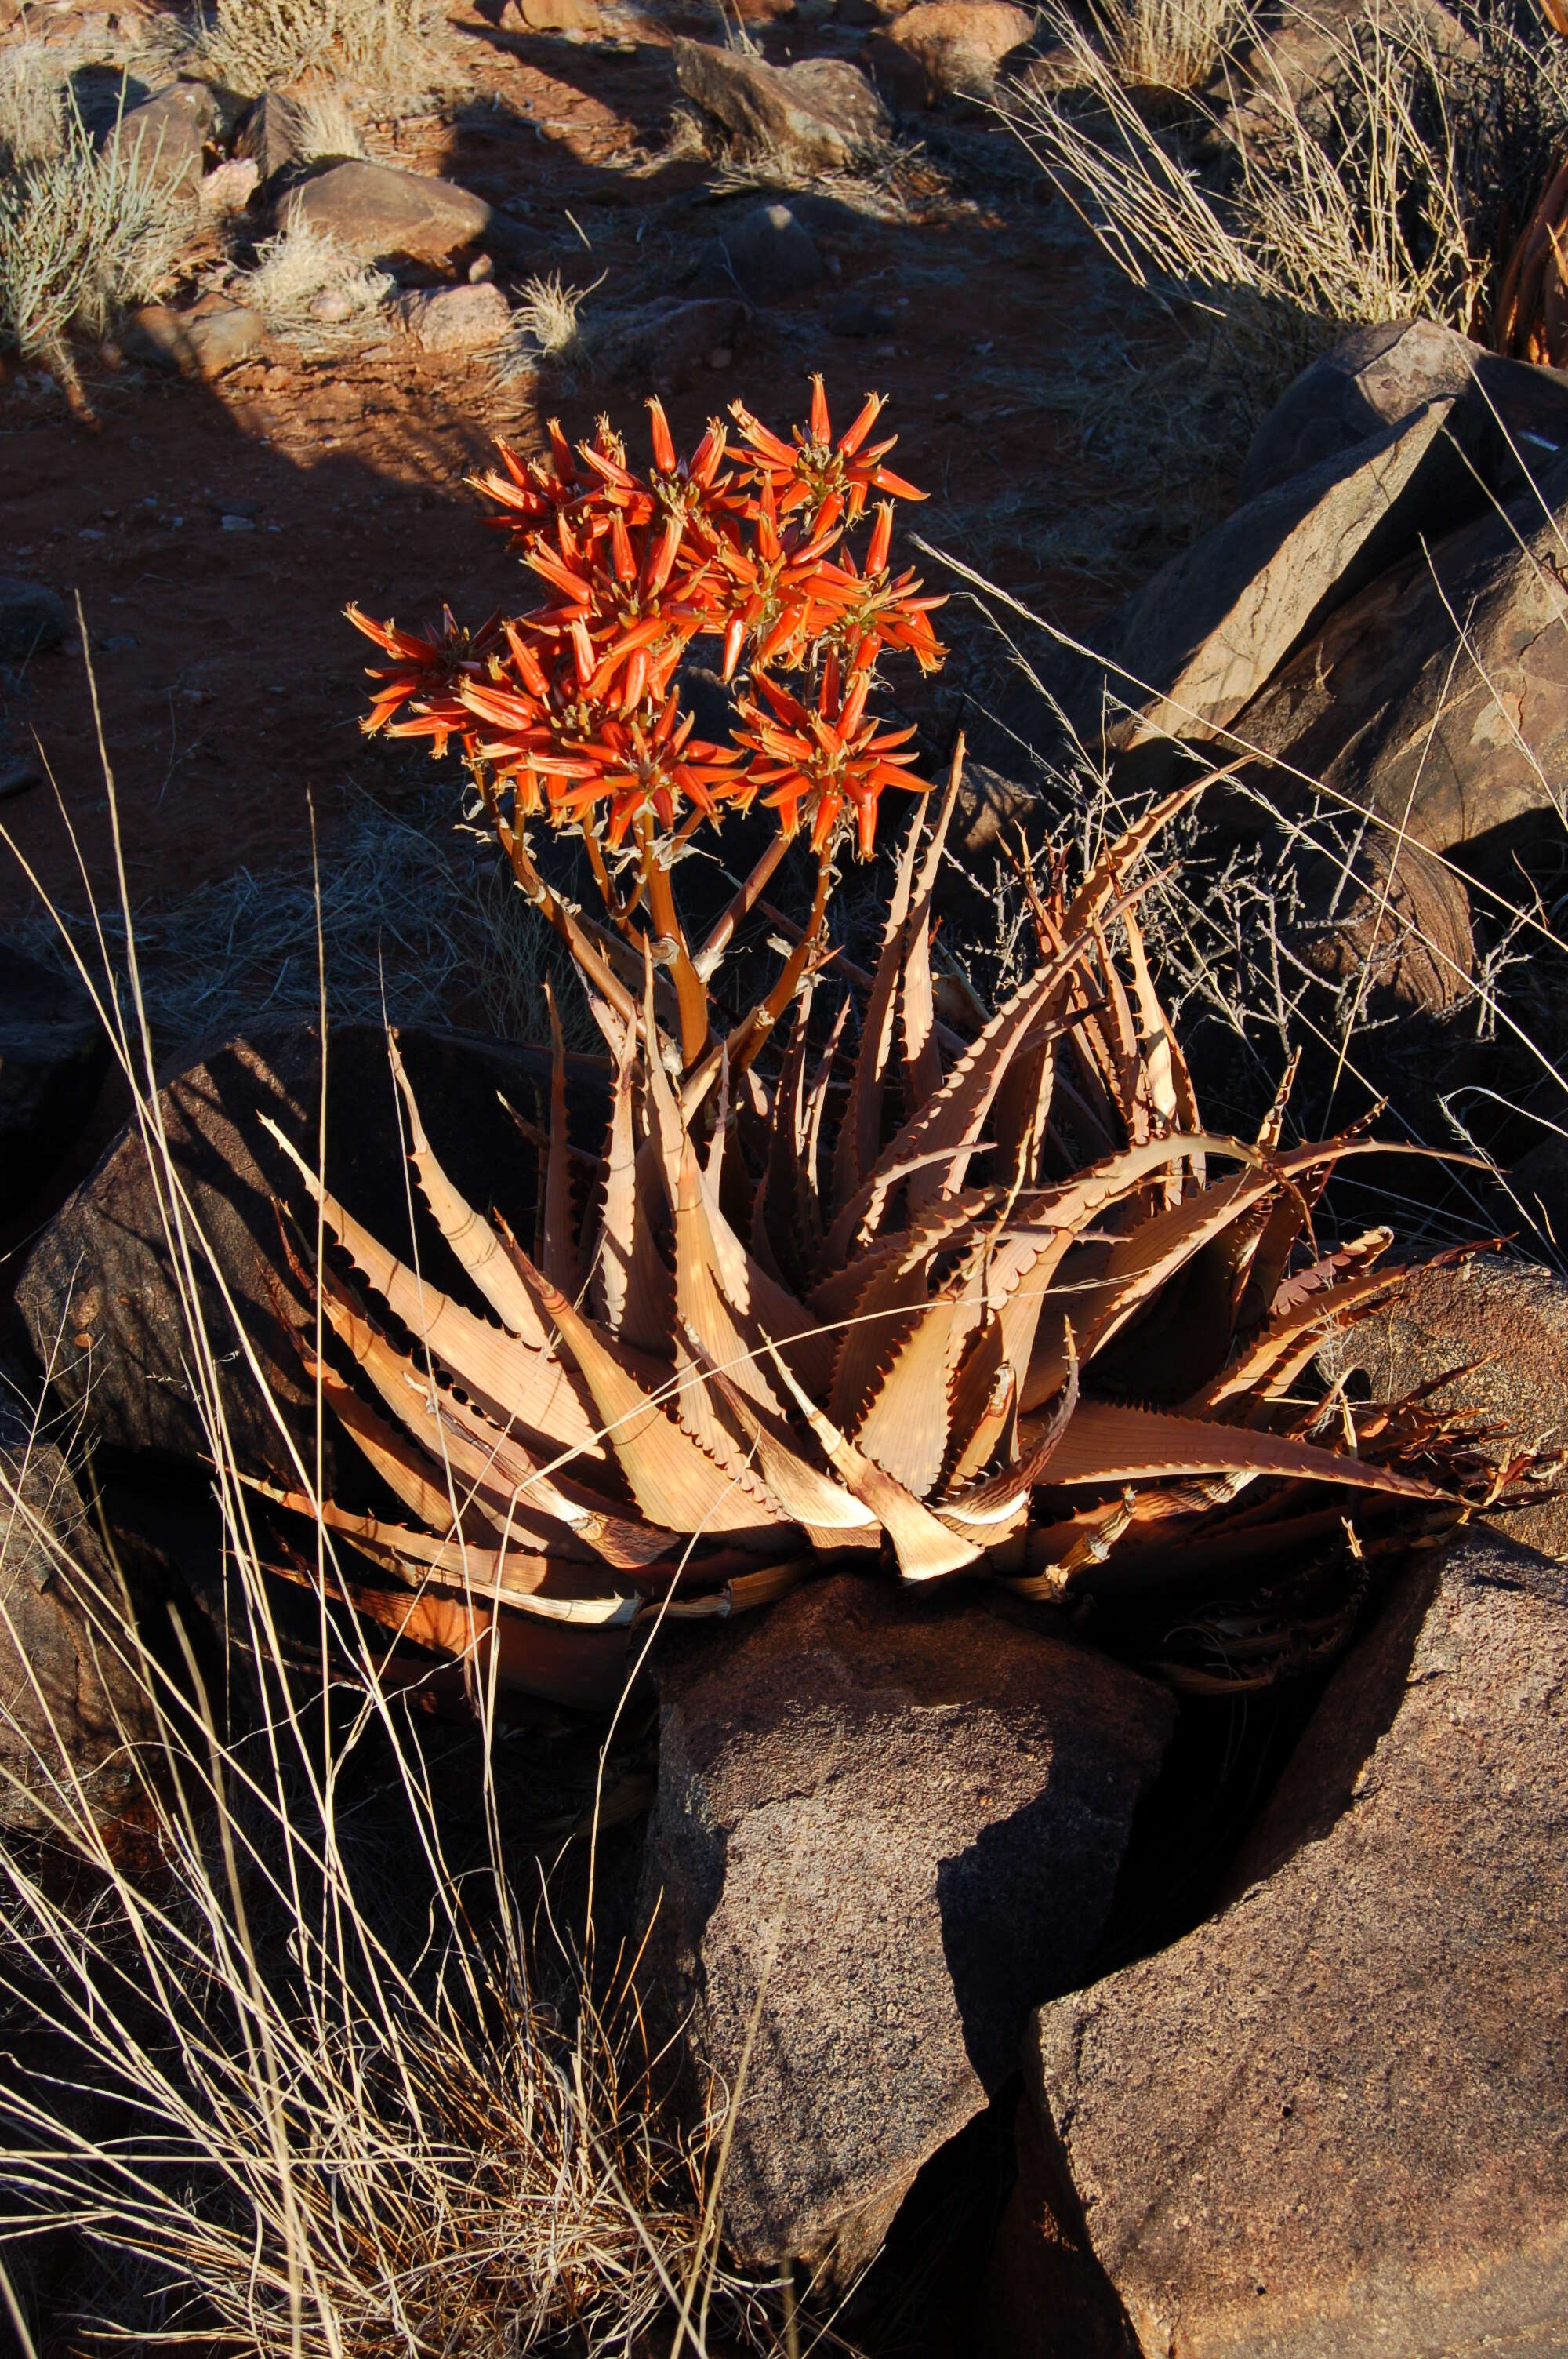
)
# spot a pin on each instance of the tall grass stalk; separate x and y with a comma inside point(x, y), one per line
point(1356, 209)
point(345, 2117)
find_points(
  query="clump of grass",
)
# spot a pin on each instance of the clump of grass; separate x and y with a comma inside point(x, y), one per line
point(325, 127)
point(419, 924)
point(548, 327)
point(380, 44)
point(32, 88)
point(1166, 45)
point(1355, 210)
point(305, 284)
point(353, 2115)
point(86, 232)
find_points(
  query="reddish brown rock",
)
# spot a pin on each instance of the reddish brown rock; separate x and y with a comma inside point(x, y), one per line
point(1507, 1322)
point(821, 114)
point(1330, 2123)
point(74, 1703)
point(98, 1297)
point(375, 210)
point(943, 46)
point(1435, 697)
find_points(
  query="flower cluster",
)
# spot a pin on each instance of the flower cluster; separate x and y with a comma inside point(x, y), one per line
point(575, 705)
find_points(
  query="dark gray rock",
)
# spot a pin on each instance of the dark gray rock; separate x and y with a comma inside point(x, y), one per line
point(376, 211)
point(271, 135)
point(1437, 696)
point(889, 1822)
point(1505, 1323)
point(819, 115)
point(858, 318)
point(98, 1283)
point(1203, 636)
point(74, 1703)
point(1377, 376)
point(53, 1057)
point(769, 254)
point(167, 133)
point(669, 346)
point(32, 619)
point(1331, 2121)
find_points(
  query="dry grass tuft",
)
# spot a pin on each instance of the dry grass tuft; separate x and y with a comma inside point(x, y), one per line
point(1362, 212)
point(85, 232)
point(547, 329)
point(379, 45)
point(32, 105)
point(1166, 45)
point(418, 926)
point(307, 286)
point(349, 2120)
point(324, 128)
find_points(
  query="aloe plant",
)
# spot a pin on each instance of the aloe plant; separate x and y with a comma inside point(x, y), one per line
point(848, 1286)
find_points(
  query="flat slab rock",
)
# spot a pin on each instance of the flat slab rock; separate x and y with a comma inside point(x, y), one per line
point(901, 1822)
point(821, 113)
point(375, 210)
point(1331, 2122)
point(1434, 696)
point(97, 1295)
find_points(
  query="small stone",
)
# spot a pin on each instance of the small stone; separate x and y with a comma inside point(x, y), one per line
point(32, 619)
point(228, 189)
point(18, 778)
point(331, 307)
point(271, 135)
point(236, 524)
point(456, 318)
point(480, 269)
point(202, 342)
point(857, 318)
point(772, 253)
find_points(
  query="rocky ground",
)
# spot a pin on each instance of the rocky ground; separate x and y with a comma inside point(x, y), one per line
point(1135, 2016)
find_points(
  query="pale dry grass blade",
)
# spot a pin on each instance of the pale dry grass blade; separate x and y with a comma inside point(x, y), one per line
point(349, 2124)
point(1167, 45)
point(385, 47)
point(305, 285)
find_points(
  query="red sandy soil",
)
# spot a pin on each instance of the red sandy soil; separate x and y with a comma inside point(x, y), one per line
point(229, 684)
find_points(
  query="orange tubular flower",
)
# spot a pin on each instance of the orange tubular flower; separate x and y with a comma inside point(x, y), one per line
point(426, 672)
point(823, 760)
point(835, 479)
point(743, 542)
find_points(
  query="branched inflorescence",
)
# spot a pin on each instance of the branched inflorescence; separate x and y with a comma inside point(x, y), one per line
point(575, 706)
